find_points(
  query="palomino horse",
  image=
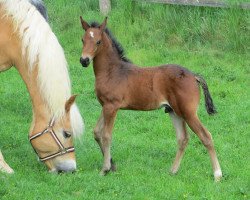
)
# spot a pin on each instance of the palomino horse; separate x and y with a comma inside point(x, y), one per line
point(27, 42)
point(122, 85)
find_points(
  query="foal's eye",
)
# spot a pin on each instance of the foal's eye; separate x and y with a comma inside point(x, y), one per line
point(98, 42)
point(66, 134)
point(82, 41)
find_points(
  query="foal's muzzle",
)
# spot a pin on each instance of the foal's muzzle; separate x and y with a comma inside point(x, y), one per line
point(84, 61)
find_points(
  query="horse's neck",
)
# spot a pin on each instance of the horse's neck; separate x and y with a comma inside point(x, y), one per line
point(13, 56)
point(41, 113)
point(107, 60)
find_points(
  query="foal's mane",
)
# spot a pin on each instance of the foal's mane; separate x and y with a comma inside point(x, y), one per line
point(116, 45)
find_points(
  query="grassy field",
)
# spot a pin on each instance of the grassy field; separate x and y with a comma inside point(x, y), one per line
point(212, 42)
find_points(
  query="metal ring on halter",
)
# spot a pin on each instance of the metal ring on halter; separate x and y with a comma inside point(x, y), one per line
point(50, 130)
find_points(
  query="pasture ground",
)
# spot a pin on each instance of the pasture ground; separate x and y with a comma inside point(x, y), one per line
point(209, 41)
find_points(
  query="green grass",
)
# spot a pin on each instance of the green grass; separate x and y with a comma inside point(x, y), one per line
point(212, 42)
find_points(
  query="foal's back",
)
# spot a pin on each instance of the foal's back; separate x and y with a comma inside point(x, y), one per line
point(149, 88)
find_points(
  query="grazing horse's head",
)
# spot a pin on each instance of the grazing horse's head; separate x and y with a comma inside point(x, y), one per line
point(44, 71)
point(92, 41)
point(53, 143)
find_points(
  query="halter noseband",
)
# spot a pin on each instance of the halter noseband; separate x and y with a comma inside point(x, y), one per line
point(50, 130)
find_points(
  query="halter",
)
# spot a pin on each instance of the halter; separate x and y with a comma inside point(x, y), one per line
point(50, 130)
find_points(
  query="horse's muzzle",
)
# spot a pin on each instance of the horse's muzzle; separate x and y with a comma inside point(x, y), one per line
point(84, 61)
point(66, 166)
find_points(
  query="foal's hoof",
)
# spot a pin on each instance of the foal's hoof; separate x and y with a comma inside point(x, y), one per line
point(113, 167)
point(217, 176)
point(173, 171)
point(104, 172)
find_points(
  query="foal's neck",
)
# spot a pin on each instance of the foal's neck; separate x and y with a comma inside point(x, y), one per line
point(107, 59)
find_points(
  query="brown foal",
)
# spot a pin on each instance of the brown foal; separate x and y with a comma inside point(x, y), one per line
point(122, 85)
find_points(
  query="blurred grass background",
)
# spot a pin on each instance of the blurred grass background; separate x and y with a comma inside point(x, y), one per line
point(213, 42)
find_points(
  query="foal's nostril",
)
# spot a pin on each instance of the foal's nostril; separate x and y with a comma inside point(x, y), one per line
point(81, 60)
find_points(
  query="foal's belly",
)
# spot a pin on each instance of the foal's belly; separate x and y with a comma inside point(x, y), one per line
point(143, 102)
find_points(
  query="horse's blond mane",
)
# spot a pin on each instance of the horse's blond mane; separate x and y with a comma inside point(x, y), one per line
point(41, 47)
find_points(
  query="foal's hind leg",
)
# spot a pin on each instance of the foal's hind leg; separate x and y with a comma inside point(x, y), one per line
point(4, 167)
point(182, 140)
point(204, 135)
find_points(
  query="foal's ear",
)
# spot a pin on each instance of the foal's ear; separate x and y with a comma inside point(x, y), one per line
point(103, 25)
point(70, 102)
point(85, 24)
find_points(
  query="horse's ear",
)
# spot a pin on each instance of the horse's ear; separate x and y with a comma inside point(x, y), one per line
point(103, 25)
point(85, 24)
point(70, 102)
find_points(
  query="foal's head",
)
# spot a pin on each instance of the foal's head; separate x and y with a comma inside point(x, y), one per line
point(92, 41)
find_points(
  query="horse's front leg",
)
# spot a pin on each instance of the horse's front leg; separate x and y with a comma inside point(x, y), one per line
point(4, 167)
point(109, 114)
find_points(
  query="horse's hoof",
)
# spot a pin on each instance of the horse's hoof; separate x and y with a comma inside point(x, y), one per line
point(10, 171)
point(7, 170)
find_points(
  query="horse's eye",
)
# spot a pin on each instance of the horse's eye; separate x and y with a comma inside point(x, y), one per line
point(82, 41)
point(98, 42)
point(66, 134)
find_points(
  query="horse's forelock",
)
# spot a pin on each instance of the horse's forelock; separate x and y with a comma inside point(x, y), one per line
point(76, 121)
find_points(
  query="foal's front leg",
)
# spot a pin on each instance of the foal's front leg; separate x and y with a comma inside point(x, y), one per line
point(98, 131)
point(109, 114)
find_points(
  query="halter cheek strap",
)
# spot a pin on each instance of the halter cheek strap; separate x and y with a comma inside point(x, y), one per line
point(62, 149)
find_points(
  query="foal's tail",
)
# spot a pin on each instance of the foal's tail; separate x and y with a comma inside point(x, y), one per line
point(208, 99)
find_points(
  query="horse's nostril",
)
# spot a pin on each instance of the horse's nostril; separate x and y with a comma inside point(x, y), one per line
point(66, 166)
point(87, 60)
